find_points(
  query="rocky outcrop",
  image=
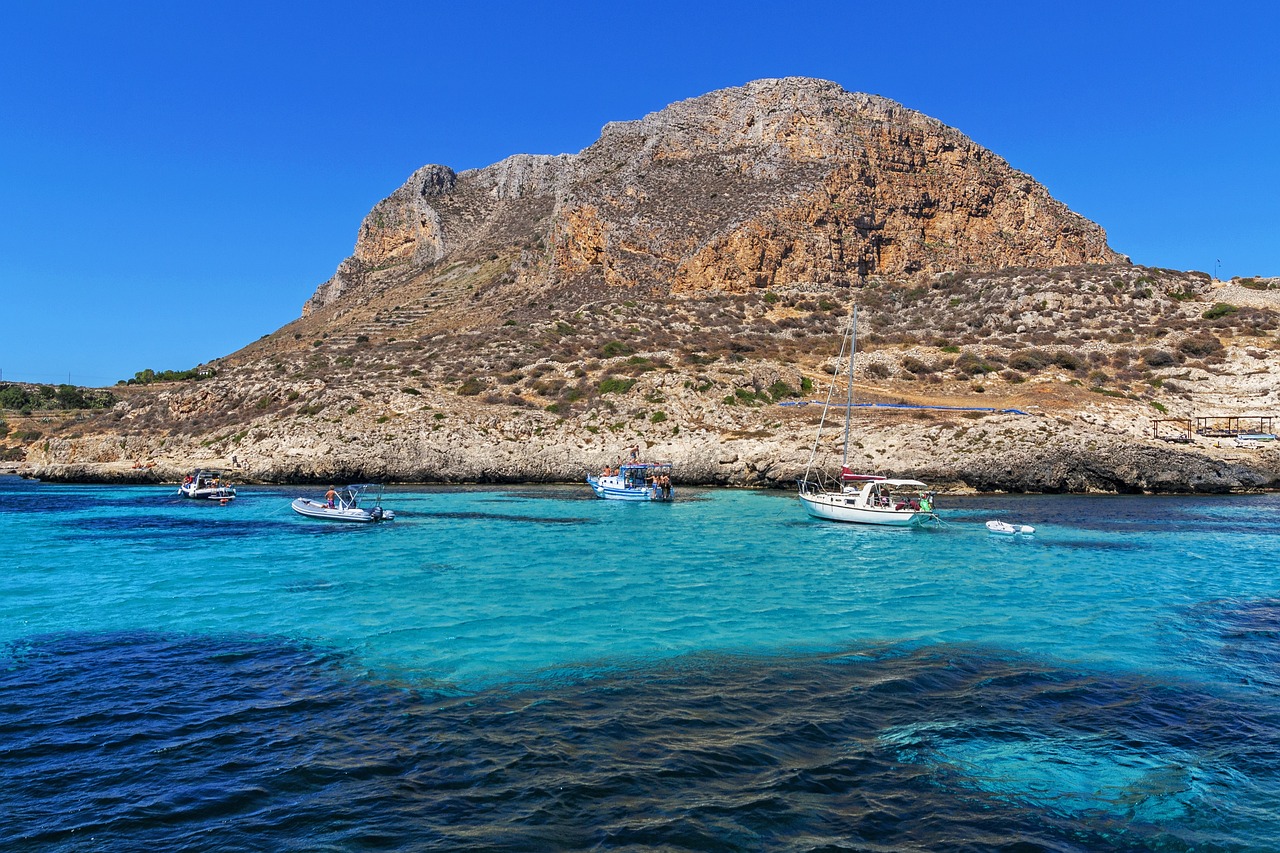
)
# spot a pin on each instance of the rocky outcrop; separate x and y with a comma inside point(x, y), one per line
point(672, 284)
point(777, 182)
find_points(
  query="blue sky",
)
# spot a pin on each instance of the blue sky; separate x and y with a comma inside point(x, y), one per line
point(176, 180)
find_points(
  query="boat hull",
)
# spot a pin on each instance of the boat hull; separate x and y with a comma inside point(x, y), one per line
point(845, 508)
point(612, 488)
point(1004, 528)
point(224, 493)
point(352, 515)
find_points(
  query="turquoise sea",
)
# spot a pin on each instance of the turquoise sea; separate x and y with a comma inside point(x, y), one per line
point(535, 669)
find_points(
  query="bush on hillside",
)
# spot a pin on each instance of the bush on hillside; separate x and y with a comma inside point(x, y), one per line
point(31, 397)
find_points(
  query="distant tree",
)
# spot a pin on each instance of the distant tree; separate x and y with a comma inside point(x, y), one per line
point(148, 376)
point(70, 397)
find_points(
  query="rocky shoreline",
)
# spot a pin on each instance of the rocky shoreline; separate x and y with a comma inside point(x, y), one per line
point(682, 285)
point(996, 453)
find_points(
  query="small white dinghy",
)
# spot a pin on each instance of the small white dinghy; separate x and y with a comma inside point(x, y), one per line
point(1004, 528)
point(345, 507)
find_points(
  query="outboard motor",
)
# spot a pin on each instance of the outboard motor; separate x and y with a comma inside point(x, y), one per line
point(376, 513)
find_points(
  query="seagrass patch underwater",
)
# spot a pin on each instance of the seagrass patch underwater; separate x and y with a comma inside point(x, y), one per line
point(527, 669)
point(129, 740)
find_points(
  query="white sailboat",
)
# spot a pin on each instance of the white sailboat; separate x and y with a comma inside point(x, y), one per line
point(859, 498)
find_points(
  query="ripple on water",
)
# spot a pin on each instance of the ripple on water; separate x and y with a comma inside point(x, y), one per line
point(167, 741)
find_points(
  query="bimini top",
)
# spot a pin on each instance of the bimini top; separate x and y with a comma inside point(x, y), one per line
point(912, 483)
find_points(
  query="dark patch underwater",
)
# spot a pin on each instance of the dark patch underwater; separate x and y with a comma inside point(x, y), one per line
point(148, 740)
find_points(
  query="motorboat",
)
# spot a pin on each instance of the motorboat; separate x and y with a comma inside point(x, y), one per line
point(206, 483)
point(634, 481)
point(859, 498)
point(345, 506)
point(1004, 528)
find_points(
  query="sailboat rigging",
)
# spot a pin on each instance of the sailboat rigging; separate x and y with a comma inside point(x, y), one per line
point(853, 497)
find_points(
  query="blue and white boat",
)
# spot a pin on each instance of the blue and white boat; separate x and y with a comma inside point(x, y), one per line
point(634, 481)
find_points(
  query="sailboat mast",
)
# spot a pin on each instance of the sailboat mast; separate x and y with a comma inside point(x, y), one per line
point(848, 407)
point(826, 407)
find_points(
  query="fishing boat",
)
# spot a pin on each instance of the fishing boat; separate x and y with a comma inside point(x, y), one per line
point(206, 483)
point(346, 506)
point(1004, 528)
point(859, 498)
point(634, 481)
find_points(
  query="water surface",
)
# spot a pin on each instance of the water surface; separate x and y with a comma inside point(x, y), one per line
point(536, 669)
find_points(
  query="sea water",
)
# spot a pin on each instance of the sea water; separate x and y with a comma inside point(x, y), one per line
point(536, 669)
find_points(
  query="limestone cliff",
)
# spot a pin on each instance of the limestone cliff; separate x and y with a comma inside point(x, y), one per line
point(775, 183)
point(683, 284)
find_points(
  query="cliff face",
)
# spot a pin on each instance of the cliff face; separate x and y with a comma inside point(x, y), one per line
point(682, 285)
point(776, 183)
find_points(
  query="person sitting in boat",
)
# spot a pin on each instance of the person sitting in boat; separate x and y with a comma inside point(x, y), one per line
point(330, 496)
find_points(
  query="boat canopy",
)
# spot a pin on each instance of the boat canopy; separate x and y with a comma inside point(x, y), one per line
point(645, 466)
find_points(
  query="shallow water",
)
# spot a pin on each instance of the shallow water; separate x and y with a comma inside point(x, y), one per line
point(536, 669)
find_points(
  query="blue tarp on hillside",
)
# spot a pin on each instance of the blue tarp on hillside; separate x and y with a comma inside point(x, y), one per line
point(908, 406)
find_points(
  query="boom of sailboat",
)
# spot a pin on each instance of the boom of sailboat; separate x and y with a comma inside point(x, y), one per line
point(852, 497)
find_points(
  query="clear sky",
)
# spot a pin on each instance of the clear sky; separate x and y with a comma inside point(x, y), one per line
point(177, 178)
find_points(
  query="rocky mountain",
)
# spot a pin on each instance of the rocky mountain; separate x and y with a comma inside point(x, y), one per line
point(776, 183)
point(680, 280)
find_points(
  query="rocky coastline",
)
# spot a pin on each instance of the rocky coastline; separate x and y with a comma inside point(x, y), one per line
point(987, 452)
point(683, 284)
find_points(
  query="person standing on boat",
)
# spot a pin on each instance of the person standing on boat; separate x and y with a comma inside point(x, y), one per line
point(330, 496)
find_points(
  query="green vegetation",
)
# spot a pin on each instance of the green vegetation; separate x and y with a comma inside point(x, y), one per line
point(971, 364)
point(1220, 309)
point(615, 385)
point(615, 348)
point(27, 398)
point(146, 377)
point(780, 391)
